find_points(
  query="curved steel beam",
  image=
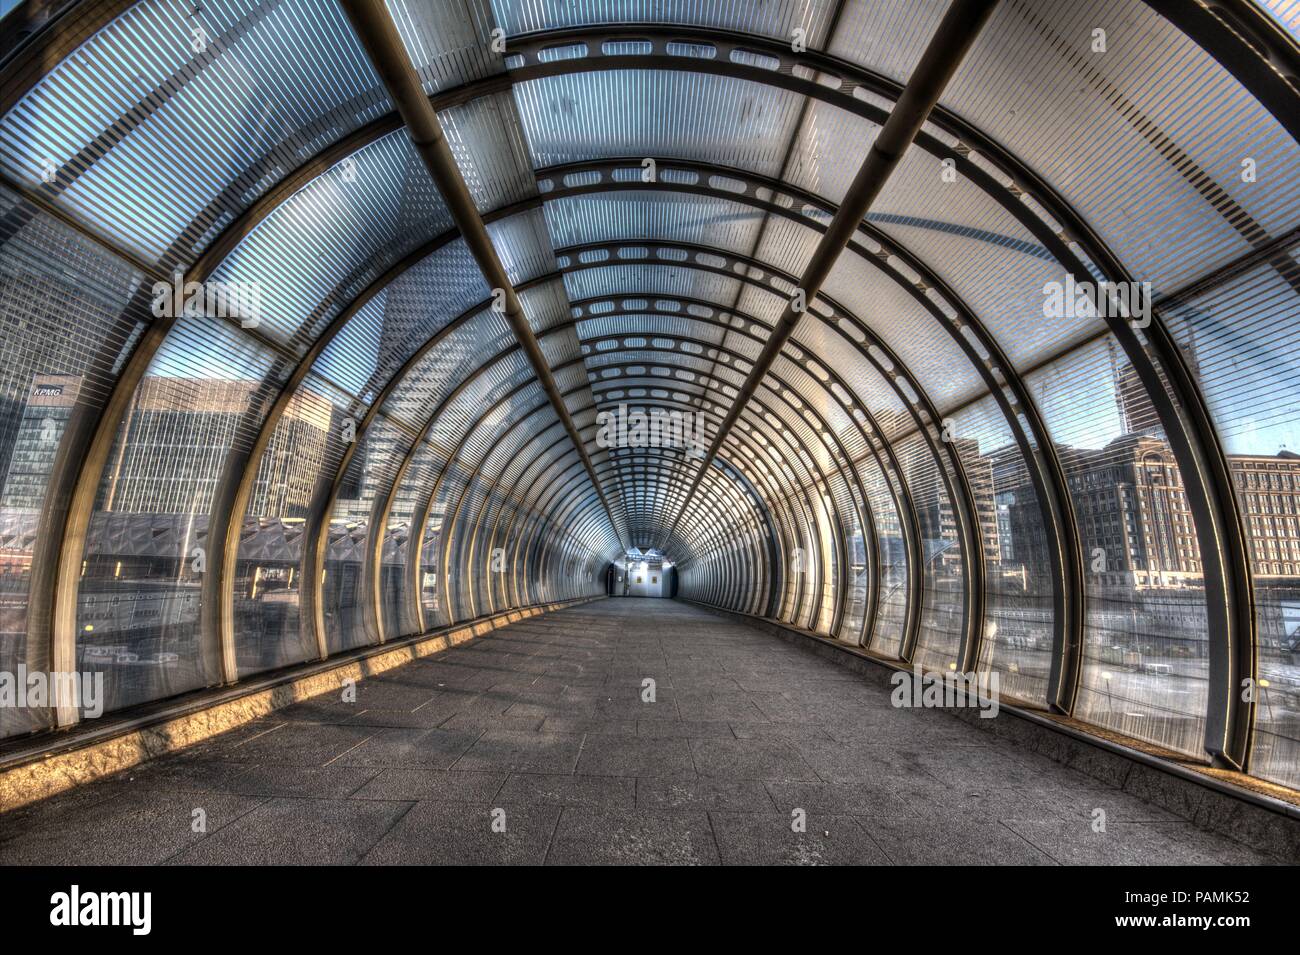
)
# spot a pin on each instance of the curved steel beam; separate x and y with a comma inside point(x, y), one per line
point(317, 520)
point(477, 519)
point(839, 454)
point(594, 265)
point(876, 352)
point(1004, 385)
point(239, 472)
point(886, 462)
point(1180, 15)
point(383, 503)
point(1192, 437)
point(715, 507)
point(456, 509)
point(946, 49)
point(836, 449)
point(381, 507)
point(555, 490)
point(378, 34)
point(705, 387)
point(796, 495)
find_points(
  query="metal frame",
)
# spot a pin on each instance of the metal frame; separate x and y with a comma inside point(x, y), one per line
point(378, 34)
point(851, 480)
point(382, 504)
point(1195, 446)
point(891, 369)
point(829, 438)
point(1199, 456)
point(1003, 383)
point(871, 439)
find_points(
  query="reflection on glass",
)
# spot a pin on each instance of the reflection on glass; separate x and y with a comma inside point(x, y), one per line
point(1145, 653)
point(68, 310)
point(139, 603)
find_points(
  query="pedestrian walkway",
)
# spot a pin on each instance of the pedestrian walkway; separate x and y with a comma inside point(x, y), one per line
point(546, 742)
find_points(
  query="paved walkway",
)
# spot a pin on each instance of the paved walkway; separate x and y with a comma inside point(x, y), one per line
point(540, 730)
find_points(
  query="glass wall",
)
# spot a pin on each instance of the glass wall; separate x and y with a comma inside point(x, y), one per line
point(293, 478)
point(69, 311)
point(1240, 338)
point(141, 596)
point(1017, 638)
point(1145, 651)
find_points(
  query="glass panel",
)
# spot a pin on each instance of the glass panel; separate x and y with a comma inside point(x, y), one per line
point(984, 255)
point(653, 216)
point(296, 469)
point(1241, 339)
point(369, 474)
point(321, 247)
point(1167, 129)
point(929, 355)
point(229, 82)
point(886, 635)
point(68, 314)
point(139, 603)
point(716, 119)
point(887, 38)
point(448, 44)
point(1145, 653)
point(943, 577)
point(365, 354)
point(1017, 639)
point(459, 569)
point(767, 19)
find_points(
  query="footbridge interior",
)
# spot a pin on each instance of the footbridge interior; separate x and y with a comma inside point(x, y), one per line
point(499, 362)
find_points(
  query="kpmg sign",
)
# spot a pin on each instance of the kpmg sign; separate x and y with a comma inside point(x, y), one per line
point(54, 391)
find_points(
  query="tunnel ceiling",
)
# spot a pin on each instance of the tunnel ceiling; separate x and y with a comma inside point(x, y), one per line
point(946, 462)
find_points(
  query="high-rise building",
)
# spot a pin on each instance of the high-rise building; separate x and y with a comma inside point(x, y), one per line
point(1135, 525)
point(171, 454)
point(1131, 506)
point(1268, 493)
point(294, 457)
point(1133, 514)
point(1137, 413)
point(35, 445)
point(64, 322)
point(935, 513)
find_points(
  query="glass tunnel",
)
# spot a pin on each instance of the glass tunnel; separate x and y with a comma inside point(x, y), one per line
point(326, 325)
